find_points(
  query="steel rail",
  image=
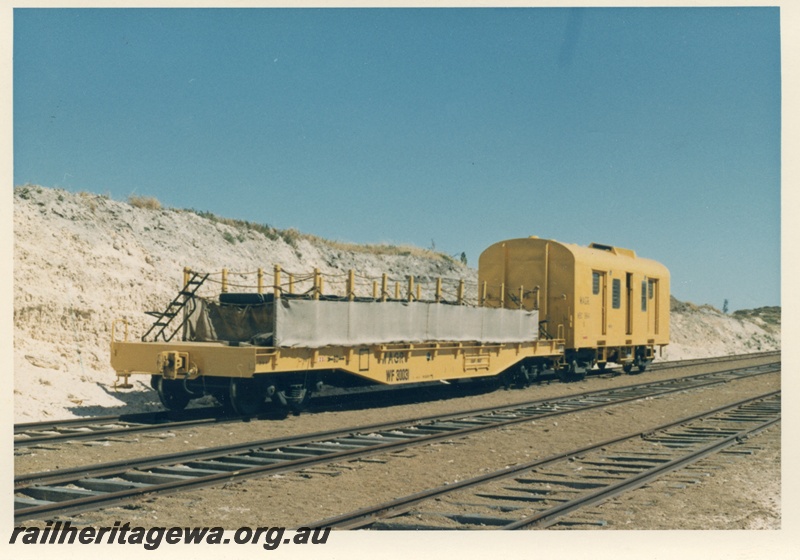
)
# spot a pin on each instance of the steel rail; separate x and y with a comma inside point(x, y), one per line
point(54, 424)
point(670, 364)
point(97, 428)
point(322, 449)
point(367, 516)
point(549, 517)
point(659, 388)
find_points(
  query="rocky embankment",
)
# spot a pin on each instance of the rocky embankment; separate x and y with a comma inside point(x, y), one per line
point(82, 261)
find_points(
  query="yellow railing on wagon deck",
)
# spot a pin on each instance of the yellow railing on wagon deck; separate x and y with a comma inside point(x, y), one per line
point(351, 285)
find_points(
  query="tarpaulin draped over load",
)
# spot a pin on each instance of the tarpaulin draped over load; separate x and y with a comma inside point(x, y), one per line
point(308, 323)
point(212, 321)
point(317, 323)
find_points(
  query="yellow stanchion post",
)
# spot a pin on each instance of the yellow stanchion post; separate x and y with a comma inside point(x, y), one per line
point(351, 285)
point(277, 281)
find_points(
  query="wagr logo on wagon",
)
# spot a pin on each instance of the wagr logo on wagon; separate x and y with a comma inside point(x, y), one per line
point(122, 533)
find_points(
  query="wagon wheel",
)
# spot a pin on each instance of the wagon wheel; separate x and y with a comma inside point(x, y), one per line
point(300, 402)
point(563, 373)
point(171, 393)
point(577, 372)
point(222, 398)
point(573, 372)
point(246, 396)
point(627, 367)
point(524, 377)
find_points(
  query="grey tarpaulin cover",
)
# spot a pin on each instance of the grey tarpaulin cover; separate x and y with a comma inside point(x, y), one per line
point(318, 323)
point(212, 321)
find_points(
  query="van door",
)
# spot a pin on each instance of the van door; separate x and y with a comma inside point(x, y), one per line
point(599, 312)
point(652, 306)
point(628, 303)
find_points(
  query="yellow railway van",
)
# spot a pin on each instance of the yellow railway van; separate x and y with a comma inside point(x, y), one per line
point(607, 304)
point(539, 306)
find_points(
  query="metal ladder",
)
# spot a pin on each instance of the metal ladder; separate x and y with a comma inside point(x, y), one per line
point(165, 318)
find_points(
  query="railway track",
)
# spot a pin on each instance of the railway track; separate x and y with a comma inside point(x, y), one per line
point(64, 491)
point(110, 427)
point(104, 427)
point(541, 493)
point(658, 366)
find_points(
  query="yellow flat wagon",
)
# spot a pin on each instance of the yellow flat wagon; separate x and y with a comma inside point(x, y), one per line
point(244, 348)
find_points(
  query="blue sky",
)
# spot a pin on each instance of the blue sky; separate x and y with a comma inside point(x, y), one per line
point(656, 129)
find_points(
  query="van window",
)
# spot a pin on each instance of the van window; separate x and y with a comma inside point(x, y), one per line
point(595, 283)
point(644, 295)
point(615, 293)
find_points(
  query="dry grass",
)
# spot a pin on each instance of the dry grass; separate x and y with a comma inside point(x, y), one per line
point(292, 237)
point(770, 315)
point(375, 249)
point(147, 202)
